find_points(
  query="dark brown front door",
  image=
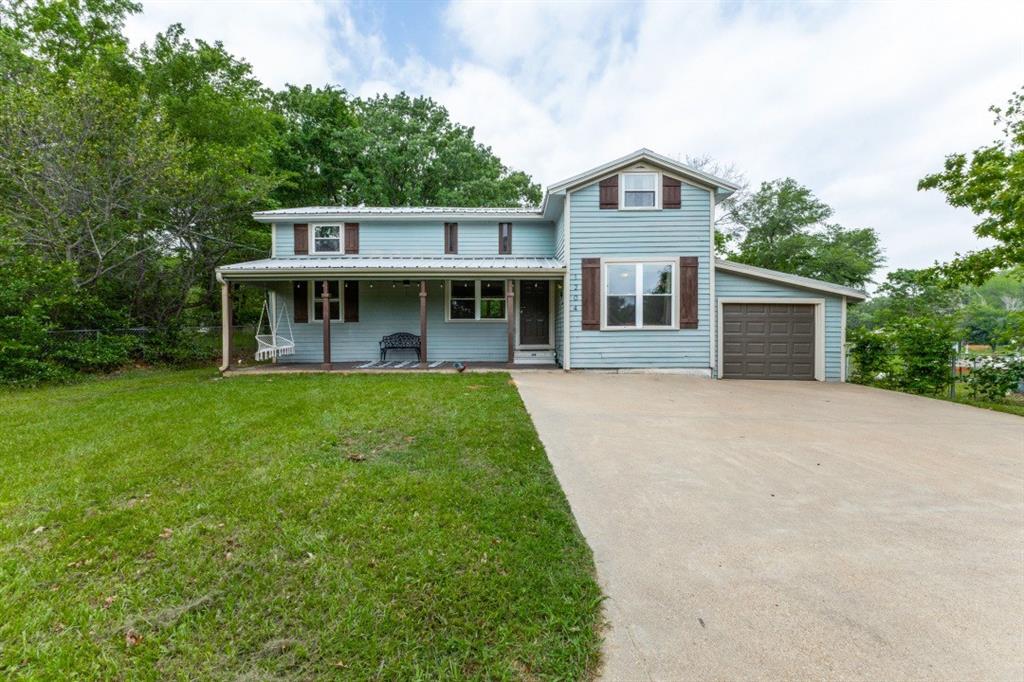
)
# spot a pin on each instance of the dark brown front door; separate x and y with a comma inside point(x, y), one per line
point(767, 341)
point(534, 315)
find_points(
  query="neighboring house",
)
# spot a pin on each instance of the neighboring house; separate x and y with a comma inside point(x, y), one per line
point(615, 269)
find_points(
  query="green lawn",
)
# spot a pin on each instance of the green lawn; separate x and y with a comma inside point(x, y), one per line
point(179, 525)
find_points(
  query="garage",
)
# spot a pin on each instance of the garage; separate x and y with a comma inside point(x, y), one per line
point(768, 341)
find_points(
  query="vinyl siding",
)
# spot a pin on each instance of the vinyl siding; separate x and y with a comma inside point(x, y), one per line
point(642, 234)
point(386, 309)
point(412, 238)
point(732, 285)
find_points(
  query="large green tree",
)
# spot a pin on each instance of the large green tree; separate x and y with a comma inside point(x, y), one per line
point(990, 182)
point(785, 227)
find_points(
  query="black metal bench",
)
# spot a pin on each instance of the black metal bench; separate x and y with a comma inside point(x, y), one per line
point(400, 341)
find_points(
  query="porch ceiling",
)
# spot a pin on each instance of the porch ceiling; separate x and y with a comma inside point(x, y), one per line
point(406, 267)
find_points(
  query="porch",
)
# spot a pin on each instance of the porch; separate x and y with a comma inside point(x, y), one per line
point(469, 314)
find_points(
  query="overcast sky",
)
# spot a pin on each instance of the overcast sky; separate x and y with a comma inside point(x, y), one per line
point(856, 100)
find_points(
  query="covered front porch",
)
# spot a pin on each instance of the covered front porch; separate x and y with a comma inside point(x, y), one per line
point(466, 313)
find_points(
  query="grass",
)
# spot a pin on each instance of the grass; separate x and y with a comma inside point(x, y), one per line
point(1010, 404)
point(178, 525)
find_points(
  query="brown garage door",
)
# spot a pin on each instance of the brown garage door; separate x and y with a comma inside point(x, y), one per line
point(767, 341)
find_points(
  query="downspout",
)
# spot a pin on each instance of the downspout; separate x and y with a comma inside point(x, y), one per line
point(566, 291)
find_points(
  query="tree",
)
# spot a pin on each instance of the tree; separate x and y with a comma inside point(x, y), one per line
point(727, 230)
point(783, 227)
point(412, 153)
point(991, 184)
point(319, 147)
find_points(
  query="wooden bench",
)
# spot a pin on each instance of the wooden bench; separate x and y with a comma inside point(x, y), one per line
point(400, 341)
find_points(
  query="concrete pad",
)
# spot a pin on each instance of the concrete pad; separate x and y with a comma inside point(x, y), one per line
point(792, 530)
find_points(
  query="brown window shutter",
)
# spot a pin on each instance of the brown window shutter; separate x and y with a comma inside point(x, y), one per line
point(351, 237)
point(590, 292)
point(451, 237)
point(300, 301)
point(688, 292)
point(301, 231)
point(671, 192)
point(610, 192)
point(351, 294)
point(505, 238)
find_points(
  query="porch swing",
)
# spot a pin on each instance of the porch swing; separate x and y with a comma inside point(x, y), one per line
point(274, 344)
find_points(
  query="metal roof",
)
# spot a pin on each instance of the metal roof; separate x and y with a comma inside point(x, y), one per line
point(794, 280)
point(391, 265)
point(318, 212)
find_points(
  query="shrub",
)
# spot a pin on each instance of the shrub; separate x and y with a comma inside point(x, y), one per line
point(925, 347)
point(914, 354)
point(991, 379)
point(871, 353)
point(104, 353)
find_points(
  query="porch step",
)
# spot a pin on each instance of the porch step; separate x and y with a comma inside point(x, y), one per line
point(534, 357)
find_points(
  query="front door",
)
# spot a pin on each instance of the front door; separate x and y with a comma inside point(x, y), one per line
point(534, 313)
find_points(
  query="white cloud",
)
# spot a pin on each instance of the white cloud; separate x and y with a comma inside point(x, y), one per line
point(858, 101)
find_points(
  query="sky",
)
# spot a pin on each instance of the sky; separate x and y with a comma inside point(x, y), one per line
point(857, 101)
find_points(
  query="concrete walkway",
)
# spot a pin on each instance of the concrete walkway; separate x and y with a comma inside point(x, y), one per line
point(785, 530)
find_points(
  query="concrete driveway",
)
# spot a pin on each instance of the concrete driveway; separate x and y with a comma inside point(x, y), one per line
point(770, 530)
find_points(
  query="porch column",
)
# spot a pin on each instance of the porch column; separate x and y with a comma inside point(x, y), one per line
point(511, 313)
point(423, 320)
point(225, 325)
point(325, 306)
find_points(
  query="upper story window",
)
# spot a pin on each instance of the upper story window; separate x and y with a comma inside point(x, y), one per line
point(327, 239)
point(475, 300)
point(639, 190)
point(505, 238)
point(639, 295)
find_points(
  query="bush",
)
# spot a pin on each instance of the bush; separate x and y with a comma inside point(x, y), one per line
point(991, 379)
point(871, 353)
point(915, 355)
point(925, 347)
point(104, 353)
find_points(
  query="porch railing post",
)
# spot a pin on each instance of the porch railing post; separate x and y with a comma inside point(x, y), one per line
point(225, 325)
point(510, 312)
point(423, 320)
point(325, 306)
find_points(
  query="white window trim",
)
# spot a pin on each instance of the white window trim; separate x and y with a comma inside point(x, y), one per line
point(674, 263)
point(819, 326)
point(657, 191)
point(476, 303)
point(341, 239)
point(316, 299)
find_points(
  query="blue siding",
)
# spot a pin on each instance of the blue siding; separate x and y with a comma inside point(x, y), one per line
point(414, 238)
point(729, 285)
point(644, 234)
point(284, 240)
point(385, 309)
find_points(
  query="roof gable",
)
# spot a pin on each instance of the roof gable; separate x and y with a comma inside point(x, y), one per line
point(722, 187)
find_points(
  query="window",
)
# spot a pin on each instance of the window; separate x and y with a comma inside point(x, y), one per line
point(451, 237)
point(316, 300)
point(640, 295)
point(639, 190)
point(327, 239)
point(476, 300)
point(504, 238)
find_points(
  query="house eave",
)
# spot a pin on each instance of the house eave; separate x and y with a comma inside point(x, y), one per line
point(722, 187)
point(792, 280)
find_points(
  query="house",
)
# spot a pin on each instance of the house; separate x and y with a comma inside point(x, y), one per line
point(614, 270)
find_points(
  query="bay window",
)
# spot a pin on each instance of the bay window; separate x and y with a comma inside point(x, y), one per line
point(475, 300)
point(639, 295)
